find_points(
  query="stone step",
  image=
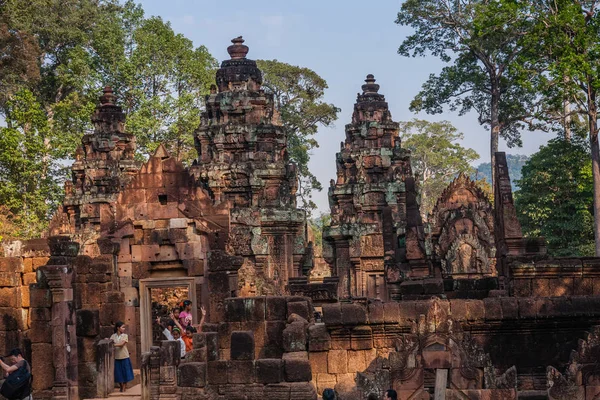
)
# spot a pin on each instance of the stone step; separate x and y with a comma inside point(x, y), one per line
point(133, 393)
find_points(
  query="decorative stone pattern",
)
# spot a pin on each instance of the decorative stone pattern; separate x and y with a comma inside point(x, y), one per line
point(374, 234)
point(243, 162)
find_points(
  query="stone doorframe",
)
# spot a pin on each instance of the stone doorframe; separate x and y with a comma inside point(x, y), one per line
point(146, 302)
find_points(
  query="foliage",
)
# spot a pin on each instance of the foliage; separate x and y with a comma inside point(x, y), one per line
point(515, 164)
point(436, 158)
point(481, 39)
point(55, 56)
point(299, 93)
point(316, 225)
point(555, 199)
point(567, 45)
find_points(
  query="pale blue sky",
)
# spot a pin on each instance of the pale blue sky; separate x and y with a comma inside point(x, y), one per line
point(343, 41)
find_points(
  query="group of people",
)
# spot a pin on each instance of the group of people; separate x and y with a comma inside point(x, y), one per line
point(180, 321)
point(391, 394)
point(179, 326)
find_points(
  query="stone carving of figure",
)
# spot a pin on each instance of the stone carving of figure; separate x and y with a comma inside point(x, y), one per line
point(465, 256)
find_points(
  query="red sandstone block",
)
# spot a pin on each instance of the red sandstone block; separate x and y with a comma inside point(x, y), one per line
point(353, 314)
point(10, 279)
point(25, 299)
point(242, 345)
point(192, 374)
point(337, 362)
point(240, 372)
point(294, 337)
point(40, 314)
point(522, 287)
point(510, 307)
point(493, 309)
point(10, 296)
point(357, 361)
point(41, 359)
point(407, 310)
point(11, 264)
point(583, 286)
point(332, 314)
point(300, 308)
point(29, 278)
point(458, 308)
point(437, 359)
point(297, 371)
point(39, 332)
point(475, 310)
point(375, 311)
point(319, 338)
point(276, 308)
point(391, 312)
point(528, 308)
point(27, 265)
point(361, 338)
point(269, 371)
point(318, 362)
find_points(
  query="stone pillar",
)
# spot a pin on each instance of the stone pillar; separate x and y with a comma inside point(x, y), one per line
point(59, 275)
point(170, 356)
point(150, 372)
point(105, 365)
point(343, 265)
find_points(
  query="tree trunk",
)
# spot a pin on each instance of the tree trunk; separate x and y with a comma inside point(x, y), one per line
point(593, 127)
point(567, 121)
point(495, 133)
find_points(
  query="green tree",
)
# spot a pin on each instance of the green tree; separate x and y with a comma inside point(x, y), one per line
point(56, 56)
point(555, 198)
point(299, 93)
point(436, 157)
point(568, 47)
point(482, 39)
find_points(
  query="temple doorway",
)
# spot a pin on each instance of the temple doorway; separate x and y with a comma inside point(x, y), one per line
point(158, 296)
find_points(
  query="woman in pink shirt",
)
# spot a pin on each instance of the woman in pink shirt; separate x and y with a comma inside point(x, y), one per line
point(185, 316)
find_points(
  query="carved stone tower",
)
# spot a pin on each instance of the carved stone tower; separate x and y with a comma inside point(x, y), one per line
point(376, 231)
point(103, 164)
point(243, 160)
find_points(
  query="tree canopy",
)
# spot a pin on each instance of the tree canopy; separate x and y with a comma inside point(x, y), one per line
point(481, 41)
point(436, 157)
point(299, 93)
point(555, 198)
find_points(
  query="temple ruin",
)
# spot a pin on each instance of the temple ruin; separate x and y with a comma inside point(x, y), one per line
point(460, 307)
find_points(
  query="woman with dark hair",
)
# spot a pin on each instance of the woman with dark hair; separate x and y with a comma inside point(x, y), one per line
point(185, 316)
point(123, 368)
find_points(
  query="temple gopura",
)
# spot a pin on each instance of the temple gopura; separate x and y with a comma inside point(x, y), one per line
point(459, 307)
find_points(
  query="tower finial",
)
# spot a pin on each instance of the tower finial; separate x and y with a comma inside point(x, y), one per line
point(370, 86)
point(108, 98)
point(237, 49)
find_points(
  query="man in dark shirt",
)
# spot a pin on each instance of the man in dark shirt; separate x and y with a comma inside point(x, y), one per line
point(16, 361)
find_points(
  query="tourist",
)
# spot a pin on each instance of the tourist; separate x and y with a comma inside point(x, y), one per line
point(18, 376)
point(188, 338)
point(167, 331)
point(203, 311)
point(175, 313)
point(390, 395)
point(123, 368)
point(328, 394)
point(177, 337)
point(185, 316)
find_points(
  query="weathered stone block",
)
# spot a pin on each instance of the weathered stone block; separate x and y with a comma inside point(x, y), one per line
point(510, 308)
point(276, 308)
point(87, 322)
point(300, 308)
point(10, 279)
point(337, 362)
point(294, 337)
point(240, 372)
point(318, 338)
point(111, 313)
point(297, 371)
point(170, 353)
point(269, 371)
point(41, 365)
point(10, 297)
point(217, 372)
point(192, 374)
point(40, 314)
point(458, 308)
point(11, 264)
point(332, 314)
point(475, 310)
point(242, 345)
point(493, 309)
point(318, 361)
point(375, 310)
point(353, 314)
point(357, 361)
point(361, 338)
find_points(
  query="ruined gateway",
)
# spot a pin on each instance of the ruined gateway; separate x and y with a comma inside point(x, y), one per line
point(461, 308)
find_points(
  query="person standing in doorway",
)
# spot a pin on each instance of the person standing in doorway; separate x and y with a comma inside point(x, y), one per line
point(123, 368)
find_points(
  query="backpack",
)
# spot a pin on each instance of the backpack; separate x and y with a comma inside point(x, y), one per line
point(17, 384)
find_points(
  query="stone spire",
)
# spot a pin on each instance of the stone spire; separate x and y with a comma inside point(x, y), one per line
point(108, 117)
point(371, 105)
point(370, 241)
point(238, 73)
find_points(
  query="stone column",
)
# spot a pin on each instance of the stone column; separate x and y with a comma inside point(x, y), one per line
point(58, 274)
point(343, 266)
